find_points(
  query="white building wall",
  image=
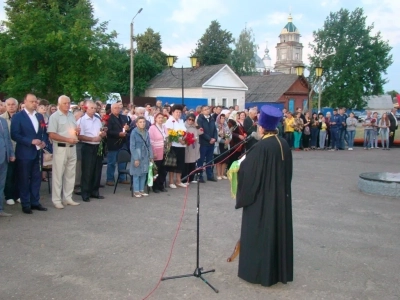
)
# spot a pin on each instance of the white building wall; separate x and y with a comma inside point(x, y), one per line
point(217, 94)
point(188, 93)
point(229, 95)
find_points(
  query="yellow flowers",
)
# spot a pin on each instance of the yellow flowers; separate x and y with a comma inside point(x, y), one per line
point(175, 135)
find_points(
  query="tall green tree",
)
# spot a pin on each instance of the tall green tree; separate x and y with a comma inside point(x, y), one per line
point(243, 62)
point(54, 47)
point(214, 46)
point(352, 57)
point(150, 43)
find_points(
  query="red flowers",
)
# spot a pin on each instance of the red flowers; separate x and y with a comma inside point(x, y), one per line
point(105, 119)
point(42, 124)
point(189, 138)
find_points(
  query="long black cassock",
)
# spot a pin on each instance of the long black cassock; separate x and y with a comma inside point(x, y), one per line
point(264, 193)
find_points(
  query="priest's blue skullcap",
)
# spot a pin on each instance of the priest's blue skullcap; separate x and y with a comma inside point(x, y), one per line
point(270, 117)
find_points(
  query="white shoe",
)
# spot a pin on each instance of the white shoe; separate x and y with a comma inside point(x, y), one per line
point(172, 186)
point(193, 181)
point(143, 194)
point(72, 203)
point(350, 149)
point(182, 185)
point(19, 200)
point(10, 202)
point(137, 195)
point(219, 178)
point(59, 206)
point(372, 147)
point(3, 214)
point(224, 177)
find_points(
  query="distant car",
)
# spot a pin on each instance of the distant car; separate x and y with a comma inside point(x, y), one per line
point(356, 114)
point(398, 116)
point(362, 117)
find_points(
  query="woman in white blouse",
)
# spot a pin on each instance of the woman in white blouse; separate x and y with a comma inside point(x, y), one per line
point(176, 123)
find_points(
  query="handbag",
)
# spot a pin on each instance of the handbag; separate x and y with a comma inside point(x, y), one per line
point(47, 158)
point(170, 159)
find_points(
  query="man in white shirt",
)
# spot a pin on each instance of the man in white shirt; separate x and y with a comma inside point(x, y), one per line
point(91, 135)
point(63, 131)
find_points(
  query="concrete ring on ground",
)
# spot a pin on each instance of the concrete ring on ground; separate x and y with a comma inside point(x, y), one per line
point(380, 183)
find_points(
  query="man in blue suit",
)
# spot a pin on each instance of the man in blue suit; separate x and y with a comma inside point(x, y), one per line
point(28, 130)
point(6, 155)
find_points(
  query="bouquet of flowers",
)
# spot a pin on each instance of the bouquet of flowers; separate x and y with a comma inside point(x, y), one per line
point(104, 122)
point(227, 136)
point(175, 135)
point(190, 139)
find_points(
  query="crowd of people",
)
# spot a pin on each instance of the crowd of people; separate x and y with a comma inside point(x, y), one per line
point(336, 132)
point(77, 138)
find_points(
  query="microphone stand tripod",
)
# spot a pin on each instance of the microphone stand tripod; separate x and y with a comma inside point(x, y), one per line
point(198, 272)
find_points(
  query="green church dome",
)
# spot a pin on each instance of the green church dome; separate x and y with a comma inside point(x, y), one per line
point(290, 27)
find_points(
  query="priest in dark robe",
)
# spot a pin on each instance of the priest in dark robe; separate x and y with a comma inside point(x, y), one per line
point(264, 193)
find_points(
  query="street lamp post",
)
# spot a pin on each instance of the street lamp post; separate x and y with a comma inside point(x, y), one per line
point(318, 74)
point(170, 62)
point(131, 56)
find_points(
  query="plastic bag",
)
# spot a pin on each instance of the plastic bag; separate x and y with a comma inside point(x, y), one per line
point(150, 175)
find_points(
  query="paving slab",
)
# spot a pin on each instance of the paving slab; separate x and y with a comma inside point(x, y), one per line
point(346, 243)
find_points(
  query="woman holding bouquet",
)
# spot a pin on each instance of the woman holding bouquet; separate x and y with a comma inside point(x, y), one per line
point(157, 140)
point(142, 154)
point(174, 125)
point(192, 151)
point(222, 145)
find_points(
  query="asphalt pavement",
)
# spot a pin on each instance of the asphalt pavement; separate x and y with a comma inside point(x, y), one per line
point(346, 244)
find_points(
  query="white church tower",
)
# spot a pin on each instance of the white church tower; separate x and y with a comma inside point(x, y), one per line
point(267, 59)
point(289, 51)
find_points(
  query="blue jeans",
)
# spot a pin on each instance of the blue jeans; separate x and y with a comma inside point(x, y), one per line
point(367, 137)
point(351, 134)
point(111, 162)
point(322, 138)
point(314, 136)
point(385, 137)
point(206, 155)
point(374, 138)
point(3, 175)
point(343, 137)
point(335, 142)
point(139, 182)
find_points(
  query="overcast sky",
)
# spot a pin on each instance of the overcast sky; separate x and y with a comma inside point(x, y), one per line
point(182, 22)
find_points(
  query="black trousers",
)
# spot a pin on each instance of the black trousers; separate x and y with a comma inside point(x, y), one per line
point(10, 188)
point(92, 164)
point(391, 138)
point(160, 180)
point(189, 167)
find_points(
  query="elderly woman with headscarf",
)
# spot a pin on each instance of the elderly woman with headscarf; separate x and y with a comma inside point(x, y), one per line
point(222, 146)
point(192, 152)
point(238, 135)
point(141, 156)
